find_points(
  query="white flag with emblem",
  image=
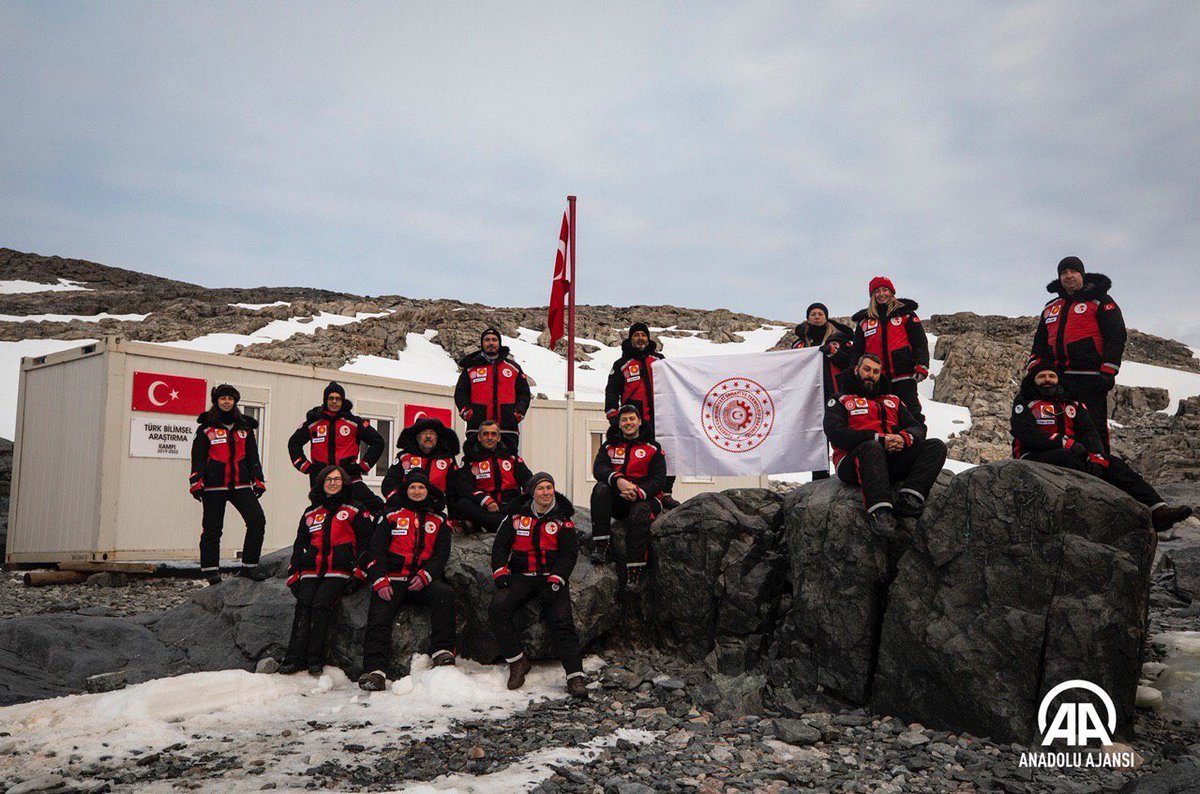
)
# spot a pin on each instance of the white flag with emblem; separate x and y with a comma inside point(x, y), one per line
point(741, 414)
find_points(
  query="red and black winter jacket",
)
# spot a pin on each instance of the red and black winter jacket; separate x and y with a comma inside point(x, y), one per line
point(898, 338)
point(544, 545)
point(814, 336)
point(496, 476)
point(852, 417)
point(440, 464)
point(410, 539)
point(332, 538)
point(335, 439)
point(631, 382)
point(225, 457)
point(1080, 334)
point(641, 461)
point(1040, 423)
point(495, 389)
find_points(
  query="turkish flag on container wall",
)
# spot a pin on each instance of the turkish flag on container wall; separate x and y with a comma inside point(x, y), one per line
point(169, 394)
point(414, 412)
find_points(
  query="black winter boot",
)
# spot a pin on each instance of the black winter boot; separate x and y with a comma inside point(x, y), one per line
point(1164, 517)
point(909, 505)
point(882, 523)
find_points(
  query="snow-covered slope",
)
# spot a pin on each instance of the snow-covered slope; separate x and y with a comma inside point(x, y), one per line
point(278, 329)
point(22, 287)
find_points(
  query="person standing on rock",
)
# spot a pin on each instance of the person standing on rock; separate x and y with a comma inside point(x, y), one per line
point(630, 471)
point(631, 382)
point(335, 436)
point(491, 478)
point(1082, 334)
point(819, 331)
point(532, 557)
point(492, 386)
point(1050, 426)
point(430, 446)
point(408, 554)
point(327, 560)
point(890, 330)
point(226, 470)
point(877, 442)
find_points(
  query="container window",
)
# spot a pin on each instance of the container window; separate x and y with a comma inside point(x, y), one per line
point(384, 426)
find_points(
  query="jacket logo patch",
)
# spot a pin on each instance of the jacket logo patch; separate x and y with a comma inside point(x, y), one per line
point(342, 515)
point(639, 453)
point(832, 402)
point(485, 467)
point(551, 528)
point(241, 433)
point(897, 321)
point(400, 532)
point(220, 432)
point(890, 403)
point(858, 411)
point(634, 369)
point(441, 464)
point(1019, 409)
point(1108, 307)
point(219, 440)
point(506, 372)
point(430, 527)
point(506, 465)
point(1071, 411)
point(403, 521)
point(321, 431)
point(344, 430)
point(525, 522)
point(1080, 308)
point(861, 402)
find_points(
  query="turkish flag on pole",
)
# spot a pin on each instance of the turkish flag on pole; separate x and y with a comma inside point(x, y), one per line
point(560, 286)
point(169, 394)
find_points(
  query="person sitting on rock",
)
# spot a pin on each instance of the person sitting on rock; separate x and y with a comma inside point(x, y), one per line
point(533, 555)
point(493, 386)
point(890, 330)
point(226, 469)
point(1050, 426)
point(326, 563)
point(430, 446)
point(335, 435)
point(1082, 334)
point(491, 477)
point(408, 554)
point(829, 336)
point(631, 382)
point(630, 472)
point(877, 442)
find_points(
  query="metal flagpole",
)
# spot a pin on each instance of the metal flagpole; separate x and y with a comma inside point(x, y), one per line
point(571, 351)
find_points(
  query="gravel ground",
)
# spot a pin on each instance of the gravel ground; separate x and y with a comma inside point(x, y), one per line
point(103, 595)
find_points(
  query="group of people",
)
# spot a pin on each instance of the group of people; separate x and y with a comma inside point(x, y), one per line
point(399, 541)
point(873, 417)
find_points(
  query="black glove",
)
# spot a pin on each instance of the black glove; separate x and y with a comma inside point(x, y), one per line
point(829, 348)
point(1108, 381)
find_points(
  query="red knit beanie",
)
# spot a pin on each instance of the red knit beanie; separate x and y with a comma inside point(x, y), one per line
point(881, 281)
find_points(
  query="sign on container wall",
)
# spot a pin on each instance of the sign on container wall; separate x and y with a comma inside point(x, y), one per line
point(160, 438)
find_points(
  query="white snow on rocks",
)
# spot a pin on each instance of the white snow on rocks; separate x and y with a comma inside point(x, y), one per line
point(1180, 383)
point(11, 354)
point(273, 331)
point(255, 710)
point(256, 306)
point(22, 287)
point(421, 361)
point(66, 318)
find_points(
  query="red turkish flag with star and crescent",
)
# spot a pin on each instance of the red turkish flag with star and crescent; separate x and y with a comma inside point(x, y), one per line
point(169, 394)
point(559, 287)
point(413, 412)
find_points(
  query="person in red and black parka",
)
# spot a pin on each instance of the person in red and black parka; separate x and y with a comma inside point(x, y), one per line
point(327, 561)
point(408, 556)
point(877, 442)
point(1082, 334)
point(429, 445)
point(1050, 426)
point(532, 557)
point(890, 330)
point(630, 471)
point(226, 470)
point(334, 435)
point(631, 382)
point(828, 336)
point(492, 386)
point(490, 479)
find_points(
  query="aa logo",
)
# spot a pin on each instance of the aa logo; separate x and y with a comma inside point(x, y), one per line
point(1077, 723)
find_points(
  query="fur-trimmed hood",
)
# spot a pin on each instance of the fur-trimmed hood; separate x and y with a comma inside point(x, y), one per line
point(447, 445)
point(1095, 287)
point(477, 358)
point(907, 306)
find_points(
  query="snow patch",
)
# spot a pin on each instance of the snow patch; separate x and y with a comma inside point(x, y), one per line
point(11, 354)
point(421, 361)
point(22, 287)
point(66, 318)
point(254, 710)
point(256, 306)
point(271, 332)
point(1181, 384)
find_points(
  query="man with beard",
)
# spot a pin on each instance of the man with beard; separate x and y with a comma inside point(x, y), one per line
point(334, 435)
point(491, 477)
point(877, 442)
point(1049, 426)
point(1081, 333)
point(631, 382)
point(492, 386)
point(429, 445)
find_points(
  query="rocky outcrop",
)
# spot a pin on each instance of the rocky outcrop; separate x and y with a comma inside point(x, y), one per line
point(1022, 576)
point(1164, 448)
point(1132, 404)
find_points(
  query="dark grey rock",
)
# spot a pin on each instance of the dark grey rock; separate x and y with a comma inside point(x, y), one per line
point(1023, 576)
point(109, 579)
point(795, 731)
point(106, 682)
point(1179, 571)
point(1180, 778)
point(730, 697)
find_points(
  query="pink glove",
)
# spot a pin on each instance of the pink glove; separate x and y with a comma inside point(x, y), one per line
point(418, 582)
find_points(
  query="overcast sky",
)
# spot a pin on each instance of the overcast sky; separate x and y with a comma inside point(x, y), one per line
point(756, 156)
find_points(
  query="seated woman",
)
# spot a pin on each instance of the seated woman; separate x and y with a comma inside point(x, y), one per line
point(332, 536)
